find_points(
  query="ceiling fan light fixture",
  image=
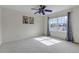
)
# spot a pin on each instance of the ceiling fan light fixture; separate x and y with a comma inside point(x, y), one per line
point(42, 9)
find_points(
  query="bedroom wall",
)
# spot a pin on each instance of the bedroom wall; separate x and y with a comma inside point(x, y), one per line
point(45, 24)
point(0, 28)
point(74, 21)
point(13, 28)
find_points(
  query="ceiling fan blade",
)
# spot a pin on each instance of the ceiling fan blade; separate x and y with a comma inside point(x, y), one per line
point(36, 12)
point(43, 12)
point(34, 9)
point(48, 10)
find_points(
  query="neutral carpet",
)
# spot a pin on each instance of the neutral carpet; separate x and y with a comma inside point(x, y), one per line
point(39, 45)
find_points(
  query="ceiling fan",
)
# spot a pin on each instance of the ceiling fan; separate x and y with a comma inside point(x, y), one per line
point(42, 9)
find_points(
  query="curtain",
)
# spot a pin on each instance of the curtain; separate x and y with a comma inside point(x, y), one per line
point(48, 32)
point(69, 29)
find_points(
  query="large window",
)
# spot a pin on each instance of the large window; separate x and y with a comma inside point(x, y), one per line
point(58, 24)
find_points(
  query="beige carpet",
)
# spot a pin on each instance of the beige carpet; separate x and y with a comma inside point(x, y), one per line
point(39, 45)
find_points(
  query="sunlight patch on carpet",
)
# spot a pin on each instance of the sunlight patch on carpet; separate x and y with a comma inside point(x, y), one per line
point(47, 40)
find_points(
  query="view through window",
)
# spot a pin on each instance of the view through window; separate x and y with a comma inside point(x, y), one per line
point(58, 24)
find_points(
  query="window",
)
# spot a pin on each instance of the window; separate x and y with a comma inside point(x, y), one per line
point(58, 24)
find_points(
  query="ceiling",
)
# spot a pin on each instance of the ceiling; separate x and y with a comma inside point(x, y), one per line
point(27, 8)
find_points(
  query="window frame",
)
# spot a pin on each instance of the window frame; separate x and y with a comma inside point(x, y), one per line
point(61, 22)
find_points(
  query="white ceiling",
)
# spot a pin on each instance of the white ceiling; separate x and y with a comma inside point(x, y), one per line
point(27, 8)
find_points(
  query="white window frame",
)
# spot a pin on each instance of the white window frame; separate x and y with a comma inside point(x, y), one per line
point(55, 28)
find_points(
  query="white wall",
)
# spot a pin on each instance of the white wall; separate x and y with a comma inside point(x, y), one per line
point(74, 20)
point(14, 29)
point(0, 28)
point(75, 23)
point(45, 24)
